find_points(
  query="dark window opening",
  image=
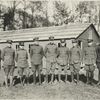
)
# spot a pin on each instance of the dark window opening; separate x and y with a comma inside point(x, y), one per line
point(17, 47)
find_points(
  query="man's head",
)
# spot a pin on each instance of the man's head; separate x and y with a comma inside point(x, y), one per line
point(21, 45)
point(51, 39)
point(9, 43)
point(63, 42)
point(90, 42)
point(74, 42)
point(36, 40)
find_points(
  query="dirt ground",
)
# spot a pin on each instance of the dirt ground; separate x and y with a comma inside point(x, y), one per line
point(55, 91)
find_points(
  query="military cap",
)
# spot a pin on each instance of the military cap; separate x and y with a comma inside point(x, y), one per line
point(74, 41)
point(62, 40)
point(36, 39)
point(21, 43)
point(51, 38)
point(9, 41)
point(89, 40)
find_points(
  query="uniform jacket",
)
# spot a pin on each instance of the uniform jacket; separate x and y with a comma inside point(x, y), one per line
point(63, 56)
point(51, 52)
point(36, 54)
point(89, 55)
point(98, 53)
point(21, 58)
point(75, 55)
point(8, 56)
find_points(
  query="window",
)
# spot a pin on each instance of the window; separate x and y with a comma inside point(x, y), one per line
point(30, 47)
point(17, 47)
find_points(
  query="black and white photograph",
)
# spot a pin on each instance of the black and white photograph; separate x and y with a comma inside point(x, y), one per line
point(50, 49)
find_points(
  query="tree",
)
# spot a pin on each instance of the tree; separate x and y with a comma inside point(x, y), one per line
point(8, 16)
point(61, 15)
point(39, 13)
point(85, 8)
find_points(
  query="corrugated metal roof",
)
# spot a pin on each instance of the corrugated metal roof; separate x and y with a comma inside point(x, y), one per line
point(66, 31)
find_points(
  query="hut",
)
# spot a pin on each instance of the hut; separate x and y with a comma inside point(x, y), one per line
point(78, 31)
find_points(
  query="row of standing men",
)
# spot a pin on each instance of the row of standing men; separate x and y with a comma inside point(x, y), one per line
point(64, 58)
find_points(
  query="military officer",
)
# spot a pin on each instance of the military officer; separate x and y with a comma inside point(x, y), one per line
point(22, 62)
point(63, 58)
point(75, 60)
point(89, 60)
point(8, 57)
point(36, 55)
point(98, 61)
point(51, 55)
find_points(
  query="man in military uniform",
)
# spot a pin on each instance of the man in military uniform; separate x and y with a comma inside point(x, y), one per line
point(51, 55)
point(98, 61)
point(22, 62)
point(63, 58)
point(89, 60)
point(8, 57)
point(75, 60)
point(36, 55)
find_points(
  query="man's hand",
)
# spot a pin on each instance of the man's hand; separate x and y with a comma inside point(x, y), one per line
point(83, 64)
point(95, 65)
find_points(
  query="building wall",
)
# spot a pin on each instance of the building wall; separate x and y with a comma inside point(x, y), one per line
point(89, 34)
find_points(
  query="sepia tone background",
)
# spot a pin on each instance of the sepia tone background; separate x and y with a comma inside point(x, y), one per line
point(22, 20)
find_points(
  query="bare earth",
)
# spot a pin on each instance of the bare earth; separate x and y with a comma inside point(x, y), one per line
point(55, 91)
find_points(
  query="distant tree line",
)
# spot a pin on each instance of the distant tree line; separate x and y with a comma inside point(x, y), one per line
point(33, 14)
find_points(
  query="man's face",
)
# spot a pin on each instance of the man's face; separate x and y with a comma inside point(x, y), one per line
point(51, 41)
point(36, 42)
point(62, 44)
point(74, 44)
point(89, 44)
point(21, 47)
point(9, 44)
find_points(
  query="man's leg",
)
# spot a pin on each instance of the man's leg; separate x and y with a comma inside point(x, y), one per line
point(53, 66)
point(48, 65)
point(72, 72)
point(26, 70)
point(87, 77)
point(86, 67)
point(11, 75)
point(39, 73)
point(98, 66)
point(34, 76)
point(77, 67)
point(6, 70)
point(98, 77)
point(66, 73)
point(92, 68)
point(34, 73)
point(59, 74)
point(20, 75)
point(23, 76)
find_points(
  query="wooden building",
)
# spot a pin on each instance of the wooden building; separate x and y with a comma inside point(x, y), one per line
point(79, 31)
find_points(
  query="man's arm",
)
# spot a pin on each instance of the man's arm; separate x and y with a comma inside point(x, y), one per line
point(42, 52)
point(2, 54)
point(45, 50)
point(31, 52)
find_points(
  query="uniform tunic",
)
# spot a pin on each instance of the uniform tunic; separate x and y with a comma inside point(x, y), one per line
point(89, 55)
point(21, 58)
point(75, 58)
point(63, 56)
point(8, 56)
point(36, 54)
point(89, 58)
point(51, 55)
